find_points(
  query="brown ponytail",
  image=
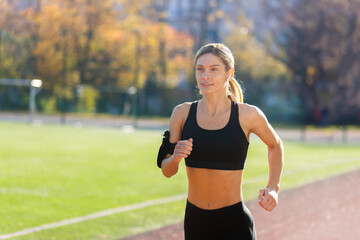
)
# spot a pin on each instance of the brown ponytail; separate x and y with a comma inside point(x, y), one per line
point(235, 93)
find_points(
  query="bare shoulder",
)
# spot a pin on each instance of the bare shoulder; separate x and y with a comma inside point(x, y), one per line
point(181, 109)
point(177, 120)
point(256, 122)
point(250, 112)
point(251, 117)
point(180, 112)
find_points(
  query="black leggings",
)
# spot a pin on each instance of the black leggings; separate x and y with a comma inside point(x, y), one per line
point(233, 222)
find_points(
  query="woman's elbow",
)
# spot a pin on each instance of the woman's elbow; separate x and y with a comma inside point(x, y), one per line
point(280, 147)
point(280, 144)
point(276, 145)
point(167, 173)
point(277, 149)
point(167, 176)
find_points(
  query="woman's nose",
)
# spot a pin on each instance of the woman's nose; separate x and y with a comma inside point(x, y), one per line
point(205, 74)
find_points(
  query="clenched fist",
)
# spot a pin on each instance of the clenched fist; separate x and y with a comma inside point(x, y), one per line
point(183, 149)
point(268, 199)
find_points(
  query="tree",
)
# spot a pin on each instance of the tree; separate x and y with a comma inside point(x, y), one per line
point(14, 41)
point(111, 43)
point(321, 44)
point(263, 77)
point(252, 60)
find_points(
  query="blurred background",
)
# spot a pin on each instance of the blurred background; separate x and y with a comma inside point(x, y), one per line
point(125, 64)
point(297, 60)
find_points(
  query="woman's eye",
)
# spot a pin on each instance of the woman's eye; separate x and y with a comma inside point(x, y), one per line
point(214, 69)
point(199, 69)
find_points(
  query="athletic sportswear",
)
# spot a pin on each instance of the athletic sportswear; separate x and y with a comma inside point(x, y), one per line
point(223, 149)
point(165, 148)
point(233, 222)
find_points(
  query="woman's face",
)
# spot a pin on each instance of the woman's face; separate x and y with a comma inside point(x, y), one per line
point(211, 75)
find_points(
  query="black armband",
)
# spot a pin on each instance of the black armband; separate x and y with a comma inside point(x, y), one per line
point(165, 148)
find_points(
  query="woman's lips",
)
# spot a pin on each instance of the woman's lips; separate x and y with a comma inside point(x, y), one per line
point(206, 85)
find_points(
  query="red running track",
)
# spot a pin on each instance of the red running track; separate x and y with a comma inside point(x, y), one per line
point(328, 209)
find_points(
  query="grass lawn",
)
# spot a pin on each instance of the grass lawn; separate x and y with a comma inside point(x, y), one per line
point(51, 173)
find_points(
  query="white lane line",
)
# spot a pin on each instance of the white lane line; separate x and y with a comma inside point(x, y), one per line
point(95, 215)
point(23, 191)
point(160, 201)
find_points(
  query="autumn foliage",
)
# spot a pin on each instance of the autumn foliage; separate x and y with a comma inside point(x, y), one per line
point(99, 43)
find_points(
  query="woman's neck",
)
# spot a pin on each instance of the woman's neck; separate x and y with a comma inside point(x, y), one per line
point(214, 105)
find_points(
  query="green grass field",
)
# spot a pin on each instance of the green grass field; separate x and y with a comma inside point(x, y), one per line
point(52, 173)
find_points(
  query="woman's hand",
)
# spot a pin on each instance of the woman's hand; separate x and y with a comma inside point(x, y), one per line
point(183, 149)
point(268, 199)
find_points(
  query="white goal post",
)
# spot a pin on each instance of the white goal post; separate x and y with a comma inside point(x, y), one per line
point(33, 84)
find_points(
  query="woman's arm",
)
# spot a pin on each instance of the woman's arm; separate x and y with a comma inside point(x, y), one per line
point(170, 164)
point(268, 197)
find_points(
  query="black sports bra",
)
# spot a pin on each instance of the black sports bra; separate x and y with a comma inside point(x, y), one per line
point(223, 149)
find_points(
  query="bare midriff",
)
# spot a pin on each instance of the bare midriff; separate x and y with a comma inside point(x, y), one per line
point(213, 189)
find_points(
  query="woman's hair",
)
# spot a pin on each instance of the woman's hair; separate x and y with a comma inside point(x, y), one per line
point(234, 91)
